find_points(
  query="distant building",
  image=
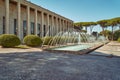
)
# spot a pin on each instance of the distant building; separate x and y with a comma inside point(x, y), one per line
point(21, 17)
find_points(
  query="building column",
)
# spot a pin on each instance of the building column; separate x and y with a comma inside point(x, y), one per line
point(48, 23)
point(36, 27)
point(56, 25)
point(71, 24)
point(7, 31)
point(67, 25)
point(42, 24)
point(52, 26)
point(63, 25)
point(60, 24)
point(19, 19)
point(28, 21)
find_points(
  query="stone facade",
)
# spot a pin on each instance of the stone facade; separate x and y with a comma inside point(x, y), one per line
point(22, 18)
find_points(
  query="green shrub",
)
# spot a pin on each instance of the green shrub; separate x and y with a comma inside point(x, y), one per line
point(107, 34)
point(118, 39)
point(116, 34)
point(9, 40)
point(32, 40)
point(46, 40)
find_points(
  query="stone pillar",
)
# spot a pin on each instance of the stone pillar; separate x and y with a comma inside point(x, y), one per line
point(48, 23)
point(56, 25)
point(7, 31)
point(28, 21)
point(52, 26)
point(19, 19)
point(60, 24)
point(36, 26)
point(71, 24)
point(42, 24)
point(63, 25)
point(67, 25)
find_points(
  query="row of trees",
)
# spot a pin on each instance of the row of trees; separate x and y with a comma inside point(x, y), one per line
point(113, 23)
point(86, 25)
point(108, 34)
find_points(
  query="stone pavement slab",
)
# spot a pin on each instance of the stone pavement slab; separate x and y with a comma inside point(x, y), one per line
point(15, 50)
point(112, 48)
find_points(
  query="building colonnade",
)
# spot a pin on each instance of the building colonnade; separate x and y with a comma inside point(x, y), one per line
point(29, 18)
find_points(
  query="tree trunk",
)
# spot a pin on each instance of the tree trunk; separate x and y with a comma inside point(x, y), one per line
point(105, 28)
point(112, 33)
point(91, 28)
point(102, 28)
point(86, 28)
point(103, 31)
point(107, 37)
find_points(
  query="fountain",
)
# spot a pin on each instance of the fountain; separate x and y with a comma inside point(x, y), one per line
point(71, 40)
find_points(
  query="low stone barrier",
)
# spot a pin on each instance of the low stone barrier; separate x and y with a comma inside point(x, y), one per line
point(84, 51)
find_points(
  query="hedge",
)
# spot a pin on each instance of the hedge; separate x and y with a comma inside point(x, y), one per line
point(9, 40)
point(32, 40)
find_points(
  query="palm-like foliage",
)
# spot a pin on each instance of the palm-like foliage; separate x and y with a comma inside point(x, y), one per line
point(89, 24)
point(106, 33)
point(103, 24)
point(117, 21)
point(86, 24)
point(112, 23)
point(78, 25)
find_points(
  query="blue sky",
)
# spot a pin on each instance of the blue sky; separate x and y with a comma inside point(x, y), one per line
point(82, 10)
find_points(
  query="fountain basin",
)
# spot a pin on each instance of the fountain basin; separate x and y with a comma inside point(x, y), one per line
point(75, 49)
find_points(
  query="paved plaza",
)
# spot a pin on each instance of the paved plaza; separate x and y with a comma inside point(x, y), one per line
point(43, 65)
point(110, 49)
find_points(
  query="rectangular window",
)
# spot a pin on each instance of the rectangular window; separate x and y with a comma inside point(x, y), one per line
point(3, 25)
point(32, 28)
point(15, 26)
point(44, 28)
point(38, 28)
point(49, 30)
point(24, 28)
